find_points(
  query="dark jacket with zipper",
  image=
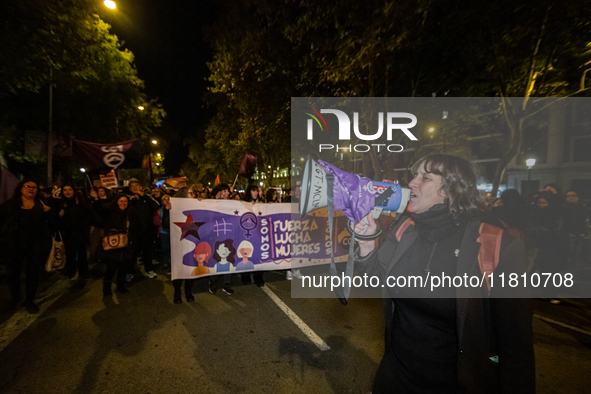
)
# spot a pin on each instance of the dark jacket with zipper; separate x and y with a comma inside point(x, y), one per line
point(488, 328)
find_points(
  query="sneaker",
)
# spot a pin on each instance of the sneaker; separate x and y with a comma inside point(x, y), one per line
point(297, 273)
point(128, 277)
point(151, 274)
point(31, 307)
point(288, 275)
point(227, 289)
point(213, 287)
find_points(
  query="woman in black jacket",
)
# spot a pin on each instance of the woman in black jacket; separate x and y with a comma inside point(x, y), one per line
point(119, 225)
point(466, 340)
point(74, 219)
point(25, 240)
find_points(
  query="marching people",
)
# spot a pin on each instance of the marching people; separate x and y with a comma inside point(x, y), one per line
point(25, 240)
point(162, 220)
point(511, 210)
point(272, 196)
point(143, 208)
point(157, 194)
point(100, 196)
point(547, 231)
point(575, 225)
point(116, 249)
point(74, 220)
point(464, 341)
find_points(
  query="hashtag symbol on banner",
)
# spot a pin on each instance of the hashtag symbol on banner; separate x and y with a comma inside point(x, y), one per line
point(223, 226)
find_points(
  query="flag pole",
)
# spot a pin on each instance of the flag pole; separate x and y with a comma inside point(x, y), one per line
point(234, 184)
point(91, 186)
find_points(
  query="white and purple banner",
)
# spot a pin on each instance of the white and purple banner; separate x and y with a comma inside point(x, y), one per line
point(215, 237)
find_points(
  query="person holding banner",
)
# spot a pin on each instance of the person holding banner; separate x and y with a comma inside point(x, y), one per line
point(183, 192)
point(25, 240)
point(465, 340)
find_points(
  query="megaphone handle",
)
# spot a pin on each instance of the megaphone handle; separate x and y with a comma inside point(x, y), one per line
point(362, 232)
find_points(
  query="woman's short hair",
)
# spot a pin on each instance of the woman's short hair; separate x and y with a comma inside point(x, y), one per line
point(458, 181)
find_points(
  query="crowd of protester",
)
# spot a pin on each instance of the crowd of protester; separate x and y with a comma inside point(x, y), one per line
point(554, 226)
point(82, 219)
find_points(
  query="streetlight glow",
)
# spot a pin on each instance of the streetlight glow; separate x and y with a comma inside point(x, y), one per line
point(530, 162)
point(110, 4)
point(82, 170)
point(158, 154)
point(140, 107)
point(154, 142)
point(431, 129)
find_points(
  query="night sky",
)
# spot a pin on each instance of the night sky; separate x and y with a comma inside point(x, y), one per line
point(166, 37)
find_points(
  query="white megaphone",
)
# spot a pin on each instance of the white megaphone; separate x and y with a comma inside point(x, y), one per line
point(354, 195)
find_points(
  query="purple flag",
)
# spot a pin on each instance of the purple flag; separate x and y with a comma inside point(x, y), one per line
point(106, 157)
point(353, 195)
point(248, 166)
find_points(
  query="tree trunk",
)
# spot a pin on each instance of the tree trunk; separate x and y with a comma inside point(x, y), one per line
point(514, 116)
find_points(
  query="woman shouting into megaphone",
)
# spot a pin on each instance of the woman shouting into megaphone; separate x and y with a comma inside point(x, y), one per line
point(441, 337)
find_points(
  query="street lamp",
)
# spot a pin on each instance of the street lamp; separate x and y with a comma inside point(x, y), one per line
point(110, 4)
point(530, 163)
point(140, 107)
point(155, 142)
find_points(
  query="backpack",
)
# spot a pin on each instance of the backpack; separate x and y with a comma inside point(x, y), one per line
point(490, 246)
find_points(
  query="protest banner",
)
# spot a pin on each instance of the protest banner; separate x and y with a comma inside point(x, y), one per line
point(109, 180)
point(211, 237)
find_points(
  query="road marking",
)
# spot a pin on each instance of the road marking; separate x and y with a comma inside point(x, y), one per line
point(22, 319)
point(563, 325)
point(316, 340)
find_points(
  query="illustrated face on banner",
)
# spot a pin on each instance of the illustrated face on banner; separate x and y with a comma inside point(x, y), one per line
point(202, 253)
point(223, 251)
point(200, 257)
point(122, 203)
point(68, 191)
point(245, 253)
point(245, 250)
point(425, 191)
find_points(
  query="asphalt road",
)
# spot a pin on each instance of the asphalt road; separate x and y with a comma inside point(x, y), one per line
point(141, 342)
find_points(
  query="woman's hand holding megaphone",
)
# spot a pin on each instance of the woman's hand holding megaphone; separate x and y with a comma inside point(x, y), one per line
point(367, 226)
